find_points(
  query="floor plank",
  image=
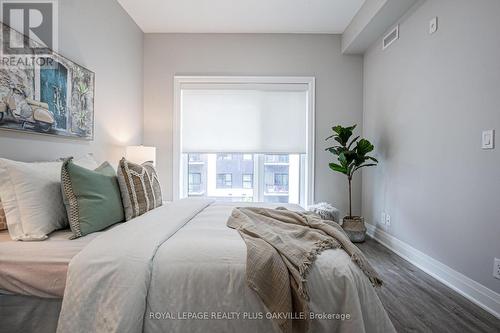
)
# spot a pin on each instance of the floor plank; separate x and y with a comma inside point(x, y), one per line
point(416, 302)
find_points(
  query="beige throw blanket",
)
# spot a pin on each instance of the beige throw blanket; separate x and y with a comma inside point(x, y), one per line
point(281, 246)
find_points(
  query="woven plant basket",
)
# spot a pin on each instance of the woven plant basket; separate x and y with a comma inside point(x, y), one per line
point(355, 228)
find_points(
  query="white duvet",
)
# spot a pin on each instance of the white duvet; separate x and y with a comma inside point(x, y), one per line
point(179, 268)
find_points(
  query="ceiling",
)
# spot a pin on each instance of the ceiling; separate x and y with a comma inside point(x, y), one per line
point(242, 16)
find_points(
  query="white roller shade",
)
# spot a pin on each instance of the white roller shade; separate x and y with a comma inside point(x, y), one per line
point(244, 118)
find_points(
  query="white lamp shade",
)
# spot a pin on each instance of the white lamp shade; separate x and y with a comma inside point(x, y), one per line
point(141, 154)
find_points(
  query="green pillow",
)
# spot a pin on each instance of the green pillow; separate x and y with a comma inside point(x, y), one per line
point(92, 198)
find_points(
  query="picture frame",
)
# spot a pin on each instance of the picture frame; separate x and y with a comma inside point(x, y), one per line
point(45, 93)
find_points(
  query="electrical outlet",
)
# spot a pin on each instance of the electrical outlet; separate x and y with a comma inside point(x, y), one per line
point(496, 269)
point(388, 220)
point(382, 218)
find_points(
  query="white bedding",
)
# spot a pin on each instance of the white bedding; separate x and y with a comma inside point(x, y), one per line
point(38, 268)
point(181, 260)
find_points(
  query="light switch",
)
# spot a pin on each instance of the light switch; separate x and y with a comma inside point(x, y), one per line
point(433, 25)
point(488, 139)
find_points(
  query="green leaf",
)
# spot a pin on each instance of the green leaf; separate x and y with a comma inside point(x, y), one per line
point(336, 150)
point(343, 160)
point(344, 135)
point(338, 168)
point(350, 155)
point(364, 147)
point(337, 129)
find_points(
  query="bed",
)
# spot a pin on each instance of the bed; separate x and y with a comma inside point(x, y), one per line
point(178, 268)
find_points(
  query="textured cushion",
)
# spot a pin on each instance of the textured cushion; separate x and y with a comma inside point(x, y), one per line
point(325, 211)
point(31, 198)
point(92, 198)
point(140, 188)
point(3, 219)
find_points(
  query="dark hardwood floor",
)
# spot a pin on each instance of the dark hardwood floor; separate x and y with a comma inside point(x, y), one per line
point(416, 302)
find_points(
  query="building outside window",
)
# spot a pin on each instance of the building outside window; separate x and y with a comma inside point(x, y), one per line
point(272, 159)
point(261, 178)
point(224, 180)
point(281, 182)
point(224, 157)
point(247, 181)
point(195, 183)
point(195, 158)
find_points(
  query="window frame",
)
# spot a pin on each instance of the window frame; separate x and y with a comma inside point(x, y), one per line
point(178, 165)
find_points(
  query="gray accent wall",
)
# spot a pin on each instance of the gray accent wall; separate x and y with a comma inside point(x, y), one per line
point(99, 35)
point(427, 98)
point(339, 86)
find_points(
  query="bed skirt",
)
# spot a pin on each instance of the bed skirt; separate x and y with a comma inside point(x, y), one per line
point(29, 314)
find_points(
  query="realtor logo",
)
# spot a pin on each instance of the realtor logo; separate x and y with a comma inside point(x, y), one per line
point(35, 22)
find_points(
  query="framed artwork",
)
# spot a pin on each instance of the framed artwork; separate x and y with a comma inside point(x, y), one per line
point(45, 93)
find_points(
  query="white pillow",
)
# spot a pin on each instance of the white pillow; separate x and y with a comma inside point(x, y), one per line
point(31, 197)
point(86, 161)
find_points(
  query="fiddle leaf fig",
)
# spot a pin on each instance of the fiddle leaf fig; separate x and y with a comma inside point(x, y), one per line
point(351, 154)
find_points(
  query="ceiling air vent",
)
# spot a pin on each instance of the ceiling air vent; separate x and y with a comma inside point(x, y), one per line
point(391, 37)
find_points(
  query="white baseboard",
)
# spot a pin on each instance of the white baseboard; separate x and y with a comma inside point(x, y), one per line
point(484, 297)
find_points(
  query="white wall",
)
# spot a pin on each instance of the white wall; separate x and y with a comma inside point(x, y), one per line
point(99, 35)
point(427, 100)
point(338, 87)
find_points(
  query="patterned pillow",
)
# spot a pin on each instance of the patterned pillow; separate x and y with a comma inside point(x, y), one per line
point(140, 188)
point(3, 220)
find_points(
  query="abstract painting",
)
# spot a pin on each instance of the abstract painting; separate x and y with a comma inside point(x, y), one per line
point(45, 93)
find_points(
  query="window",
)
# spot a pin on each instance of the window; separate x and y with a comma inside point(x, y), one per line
point(247, 181)
point(253, 180)
point(249, 138)
point(195, 183)
point(224, 180)
point(281, 180)
point(195, 178)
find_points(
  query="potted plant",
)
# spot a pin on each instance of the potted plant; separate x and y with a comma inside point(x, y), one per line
point(351, 155)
